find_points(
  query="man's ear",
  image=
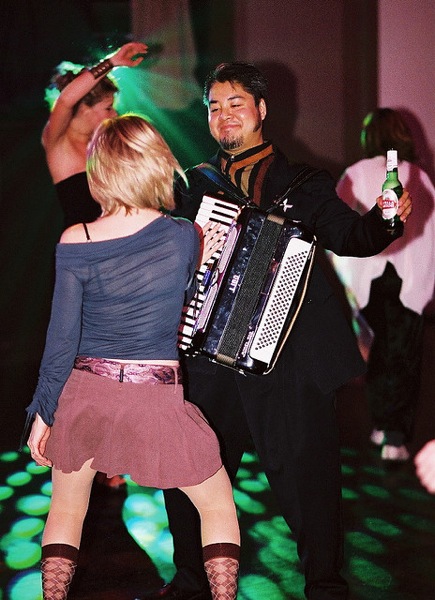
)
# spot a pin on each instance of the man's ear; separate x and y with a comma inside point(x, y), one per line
point(262, 108)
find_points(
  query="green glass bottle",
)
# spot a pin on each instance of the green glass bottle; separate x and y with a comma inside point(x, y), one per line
point(391, 191)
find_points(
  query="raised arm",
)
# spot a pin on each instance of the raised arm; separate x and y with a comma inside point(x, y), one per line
point(63, 110)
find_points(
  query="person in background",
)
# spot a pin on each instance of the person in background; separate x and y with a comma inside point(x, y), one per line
point(425, 466)
point(289, 413)
point(80, 99)
point(109, 396)
point(86, 98)
point(392, 288)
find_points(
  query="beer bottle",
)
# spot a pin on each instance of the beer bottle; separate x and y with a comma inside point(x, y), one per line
point(391, 191)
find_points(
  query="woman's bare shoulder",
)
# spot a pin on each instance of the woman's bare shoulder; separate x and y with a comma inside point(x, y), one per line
point(73, 235)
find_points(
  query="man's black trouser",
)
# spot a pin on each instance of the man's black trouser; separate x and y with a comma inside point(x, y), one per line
point(294, 430)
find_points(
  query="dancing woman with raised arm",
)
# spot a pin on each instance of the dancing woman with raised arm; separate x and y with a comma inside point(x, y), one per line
point(80, 99)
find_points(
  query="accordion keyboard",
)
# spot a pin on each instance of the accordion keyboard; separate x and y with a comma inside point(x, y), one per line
point(215, 210)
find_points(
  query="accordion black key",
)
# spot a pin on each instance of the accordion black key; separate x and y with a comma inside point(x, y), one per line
point(215, 210)
point(253, 292)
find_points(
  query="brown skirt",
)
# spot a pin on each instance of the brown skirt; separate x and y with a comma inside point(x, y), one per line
point(147, 431)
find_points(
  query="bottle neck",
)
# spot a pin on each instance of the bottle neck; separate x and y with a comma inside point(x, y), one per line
point(393, 174)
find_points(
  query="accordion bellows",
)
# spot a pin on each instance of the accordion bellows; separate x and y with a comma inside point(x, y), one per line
point(252, 294)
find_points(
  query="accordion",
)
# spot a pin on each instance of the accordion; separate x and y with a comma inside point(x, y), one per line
point(252, 294)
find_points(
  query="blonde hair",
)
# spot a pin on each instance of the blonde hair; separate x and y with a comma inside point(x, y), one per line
point(130, 165)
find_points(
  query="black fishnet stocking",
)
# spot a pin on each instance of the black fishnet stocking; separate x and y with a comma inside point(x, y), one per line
point(57, 570)
point(221, 563)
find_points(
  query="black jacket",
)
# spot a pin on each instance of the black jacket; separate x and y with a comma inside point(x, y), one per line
point(321, 344)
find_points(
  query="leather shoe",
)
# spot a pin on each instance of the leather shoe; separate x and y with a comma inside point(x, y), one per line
point(172, 592)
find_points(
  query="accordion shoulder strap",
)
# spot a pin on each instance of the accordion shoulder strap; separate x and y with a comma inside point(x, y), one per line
point(299, 179)
point(211, 172)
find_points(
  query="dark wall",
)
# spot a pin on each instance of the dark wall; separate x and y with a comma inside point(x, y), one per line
point(34, 37)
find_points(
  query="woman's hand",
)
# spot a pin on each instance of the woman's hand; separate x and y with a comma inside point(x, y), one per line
point(212, 239)
point(38, 437)
point(124, 56)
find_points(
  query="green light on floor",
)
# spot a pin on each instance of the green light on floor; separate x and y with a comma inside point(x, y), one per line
point(418, 523)
point(26, 587)
point(265, 531)
point(349, 452)
point(6, 492)
point(22, 555)
point(34, 505)
point(381, 526)
point(262, 477)
point(35, 469)
point(348, 494)
point(27, 528)
point(8, 457)
point(139, 504)
point(129, 481)
point(156, 541)
point(293, 582)
point(145, 518)
point(371, 574)
point(143, 530)
point(18, 479)
point(281, 563)
point(47, 488)
point(252, 587)
point(243, 473)
point(376, 491)
point(253, 485)
point(347, 470)
point(274, 564)
point(248, 458)
point(247, 504)
point(365, 542)
point(276, 526)
point(284, 548)
point(376, 471)
point(280, 525)
point(420, 496)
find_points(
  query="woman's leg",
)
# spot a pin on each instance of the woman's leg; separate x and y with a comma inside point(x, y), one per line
point(63, 530)
point(220, 533)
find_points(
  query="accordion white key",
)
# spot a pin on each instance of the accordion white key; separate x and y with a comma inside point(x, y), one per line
point(219, 211)
point(253, 293)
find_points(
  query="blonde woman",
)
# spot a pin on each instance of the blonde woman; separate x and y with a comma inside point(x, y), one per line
point(109, 396)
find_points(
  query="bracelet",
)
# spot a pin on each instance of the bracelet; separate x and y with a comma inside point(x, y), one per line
point(102, 68)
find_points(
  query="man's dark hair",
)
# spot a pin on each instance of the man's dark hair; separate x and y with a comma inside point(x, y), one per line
point(245, 74)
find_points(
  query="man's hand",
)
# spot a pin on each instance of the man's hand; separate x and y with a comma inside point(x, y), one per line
point(405, 205)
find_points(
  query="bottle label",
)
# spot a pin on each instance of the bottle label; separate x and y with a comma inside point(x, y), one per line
point(390, 204)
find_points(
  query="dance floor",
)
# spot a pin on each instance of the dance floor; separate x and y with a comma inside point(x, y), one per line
point(126, 549)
